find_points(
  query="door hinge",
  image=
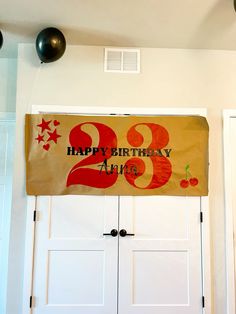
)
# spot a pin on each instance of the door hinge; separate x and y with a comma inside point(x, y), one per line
point(31, 302)
point(35, 215)
point(203, 301)
point(201, 217)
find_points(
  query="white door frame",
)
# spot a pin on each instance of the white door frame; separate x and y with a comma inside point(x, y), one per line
point(229, 228)
point(6, 117)
point(89, 110)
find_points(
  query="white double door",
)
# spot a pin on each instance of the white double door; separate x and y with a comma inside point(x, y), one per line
point(78, 270)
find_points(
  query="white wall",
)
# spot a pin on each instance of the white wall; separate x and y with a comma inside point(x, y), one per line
point(7, 85)
point(169, 78)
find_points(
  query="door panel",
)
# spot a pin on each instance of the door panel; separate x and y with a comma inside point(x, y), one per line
point(75, 265)
point(160, 266)
point(68, 219)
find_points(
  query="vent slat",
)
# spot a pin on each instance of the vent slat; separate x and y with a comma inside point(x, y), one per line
point(114, 59)
point(122, 60)
point(130, 60)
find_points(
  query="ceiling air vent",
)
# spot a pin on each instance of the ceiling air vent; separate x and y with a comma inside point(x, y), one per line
point(122, 60)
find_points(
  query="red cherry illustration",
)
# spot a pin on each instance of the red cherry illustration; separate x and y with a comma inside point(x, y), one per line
point(193, 181)
point(184, 183)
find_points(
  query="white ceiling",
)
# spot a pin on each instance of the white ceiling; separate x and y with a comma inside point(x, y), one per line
point(206, 24)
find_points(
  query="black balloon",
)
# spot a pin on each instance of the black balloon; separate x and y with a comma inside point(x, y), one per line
point(50, 44)
point(1, 40)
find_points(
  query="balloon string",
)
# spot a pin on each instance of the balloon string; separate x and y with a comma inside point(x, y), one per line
point(36, 76)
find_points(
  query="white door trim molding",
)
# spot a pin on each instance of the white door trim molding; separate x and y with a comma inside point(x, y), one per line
point(9, 118)
point(86, 110)
point(229, 229)
point(117, 110)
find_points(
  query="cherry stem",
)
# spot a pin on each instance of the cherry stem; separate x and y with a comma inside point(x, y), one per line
point(187, 172)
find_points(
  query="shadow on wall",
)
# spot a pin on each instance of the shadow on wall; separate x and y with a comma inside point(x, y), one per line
point(11, 85)
point(8, 73)
point(27, 33)
point(221, 14)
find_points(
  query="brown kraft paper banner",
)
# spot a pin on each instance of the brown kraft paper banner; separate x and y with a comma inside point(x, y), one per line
point(116, 155)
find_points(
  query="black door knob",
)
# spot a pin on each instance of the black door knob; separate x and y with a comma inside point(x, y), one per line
point(123, 233)
point(113, 233)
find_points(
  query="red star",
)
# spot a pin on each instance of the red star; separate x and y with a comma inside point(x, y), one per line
point(44, 125)
point(40, 138)
point(53, 136)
